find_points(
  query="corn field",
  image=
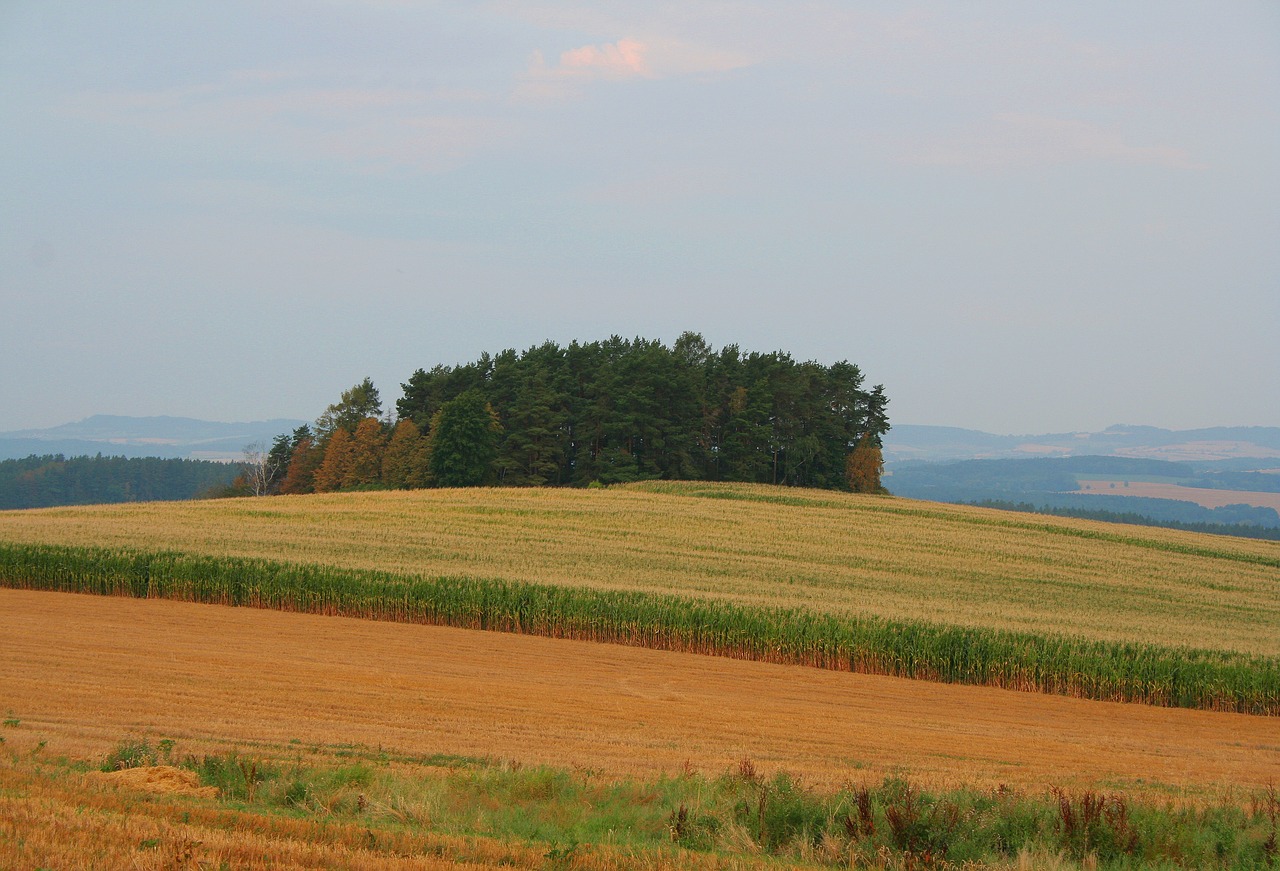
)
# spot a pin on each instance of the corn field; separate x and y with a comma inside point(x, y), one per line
point(1038, 662)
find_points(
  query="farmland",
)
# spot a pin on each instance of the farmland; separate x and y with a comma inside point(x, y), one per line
point(864, 584)
point(1199, 495)
point(791, 577)
point(400, 746)
point(839, 554)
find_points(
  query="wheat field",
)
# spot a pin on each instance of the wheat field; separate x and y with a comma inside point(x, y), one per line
point(826, 552)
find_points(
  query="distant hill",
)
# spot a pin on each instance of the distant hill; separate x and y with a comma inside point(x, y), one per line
point(1239, 448)
point(166, 437)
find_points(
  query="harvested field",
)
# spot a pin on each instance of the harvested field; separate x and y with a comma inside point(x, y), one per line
point(1201, 496)
point(83, 672)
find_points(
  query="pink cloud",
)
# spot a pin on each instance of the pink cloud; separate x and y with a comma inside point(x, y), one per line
point(620, 59)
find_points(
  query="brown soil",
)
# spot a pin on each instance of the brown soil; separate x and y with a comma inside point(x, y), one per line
point(85, 673)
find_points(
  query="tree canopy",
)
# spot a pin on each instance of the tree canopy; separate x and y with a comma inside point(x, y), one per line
point(608, 411)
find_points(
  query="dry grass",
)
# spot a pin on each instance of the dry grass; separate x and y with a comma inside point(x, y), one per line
point(843, 554)
point(82, 672)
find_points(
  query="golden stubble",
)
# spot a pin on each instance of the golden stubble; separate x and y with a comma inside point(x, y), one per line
point(87, 672)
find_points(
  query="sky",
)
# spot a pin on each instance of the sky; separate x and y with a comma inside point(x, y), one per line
point(1018, 217)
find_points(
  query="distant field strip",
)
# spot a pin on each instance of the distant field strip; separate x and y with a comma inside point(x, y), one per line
point(1199, 495)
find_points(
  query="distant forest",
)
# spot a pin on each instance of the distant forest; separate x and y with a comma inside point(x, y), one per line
point(602, 412)
point(52, 479)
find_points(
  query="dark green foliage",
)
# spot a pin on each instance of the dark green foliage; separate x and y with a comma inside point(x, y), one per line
point(355, 404)
point(406, 462)
point(627, 410)
point(463, 442)
point(1175, 677)
point(45, 481)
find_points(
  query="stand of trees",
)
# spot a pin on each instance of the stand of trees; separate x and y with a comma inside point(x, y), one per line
point(612, 411)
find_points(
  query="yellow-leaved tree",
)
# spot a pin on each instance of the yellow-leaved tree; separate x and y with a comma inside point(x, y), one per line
point(864, 466)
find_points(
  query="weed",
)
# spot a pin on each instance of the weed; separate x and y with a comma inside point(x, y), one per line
point(559, 856)
point(919, 828)
point(1271, 811)
point(1095, 823)
point(865, 825)
point(130, 754)
point(249, 770)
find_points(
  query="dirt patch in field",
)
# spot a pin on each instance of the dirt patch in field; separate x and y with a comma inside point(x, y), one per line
point(86, 672)
point(161, 779)
point(1199, 495)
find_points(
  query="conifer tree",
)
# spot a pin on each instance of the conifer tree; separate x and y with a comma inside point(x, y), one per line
point(464, 442)
point(367, 447)
point(304, 459)
point(332, 473)
point(404, 464)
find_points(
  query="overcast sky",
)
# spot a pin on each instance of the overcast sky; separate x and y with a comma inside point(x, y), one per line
point(1019, 217)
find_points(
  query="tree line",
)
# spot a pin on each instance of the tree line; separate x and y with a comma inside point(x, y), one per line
point(53, 479)
point(602, 412)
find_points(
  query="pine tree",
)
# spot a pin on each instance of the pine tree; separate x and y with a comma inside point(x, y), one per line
point(464, 442)
point(357, 403)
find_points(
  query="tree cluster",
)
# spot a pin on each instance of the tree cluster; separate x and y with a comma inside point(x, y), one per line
point(607, 411)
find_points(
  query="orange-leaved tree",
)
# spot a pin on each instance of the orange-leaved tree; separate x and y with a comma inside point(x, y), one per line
point(864, 466)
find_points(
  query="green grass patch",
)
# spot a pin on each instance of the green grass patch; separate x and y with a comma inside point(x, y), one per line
point(745, 812)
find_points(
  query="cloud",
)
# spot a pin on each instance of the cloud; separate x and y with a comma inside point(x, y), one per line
point(1014, 140)
point(622, 59)
point(625, 59)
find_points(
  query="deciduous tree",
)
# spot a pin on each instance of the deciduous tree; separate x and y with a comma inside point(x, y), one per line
point(864, 466)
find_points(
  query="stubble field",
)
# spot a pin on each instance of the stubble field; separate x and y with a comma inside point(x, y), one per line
point(86, 671)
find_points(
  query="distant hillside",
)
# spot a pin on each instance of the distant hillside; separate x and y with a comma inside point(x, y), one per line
point(1163, 493)
point(1240, 448)
point(121, 436)
point(48, 481)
